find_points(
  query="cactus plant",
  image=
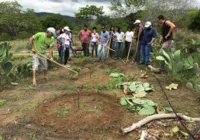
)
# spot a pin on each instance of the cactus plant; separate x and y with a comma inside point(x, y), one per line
point(189, 85)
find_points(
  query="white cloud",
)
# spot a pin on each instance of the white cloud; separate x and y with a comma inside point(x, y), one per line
point(64, 7)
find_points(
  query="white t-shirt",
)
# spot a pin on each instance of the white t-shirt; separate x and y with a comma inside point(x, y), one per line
point(95, 37)
point(129, 36)
point(70, 35)
point(119, 36)
point(67, 38)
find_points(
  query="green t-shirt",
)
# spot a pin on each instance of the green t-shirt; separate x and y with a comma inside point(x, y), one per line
point(42, 43)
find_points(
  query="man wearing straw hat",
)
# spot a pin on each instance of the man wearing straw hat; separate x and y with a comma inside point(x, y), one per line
point(40, 43)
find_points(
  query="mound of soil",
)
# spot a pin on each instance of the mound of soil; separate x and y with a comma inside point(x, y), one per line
point(98, 115)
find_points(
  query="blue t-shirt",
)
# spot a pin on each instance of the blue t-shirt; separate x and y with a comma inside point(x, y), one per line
point(104, 37)
point(148, 35)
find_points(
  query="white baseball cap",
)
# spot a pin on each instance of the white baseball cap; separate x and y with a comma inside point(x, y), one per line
point(147, 24)
point(66, 28)
point(52, 30)
point(137, 21)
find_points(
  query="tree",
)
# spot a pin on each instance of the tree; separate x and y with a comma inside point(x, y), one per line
point(88, 13)
point(195, 24)
point(54, 20)
point(174, 10)
point(14, 20)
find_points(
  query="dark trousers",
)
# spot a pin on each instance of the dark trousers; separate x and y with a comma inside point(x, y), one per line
point(66, 55)
point(94, 48)
point(112, 46)
point(85, 49)
point(127, 46)
point(119, 49)
point(61, 53)
point(138, 52)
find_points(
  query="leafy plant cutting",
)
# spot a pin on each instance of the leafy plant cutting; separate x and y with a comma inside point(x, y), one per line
point(139, 89)
point(142, 107)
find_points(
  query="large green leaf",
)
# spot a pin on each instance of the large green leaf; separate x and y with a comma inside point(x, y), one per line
point(140, 94)
point(168, 109)
point(146, 85)
point(190, 60)
point(150, 103)
point(132, 88)
point(116, 75)
point(147, 110)
point(160, 58)
point(177, 56)
point(166, 55)
point(2, 50)
point(123, 101)
point(195, 68)
point(179, 67)
point(7, 67)
point(138, 101)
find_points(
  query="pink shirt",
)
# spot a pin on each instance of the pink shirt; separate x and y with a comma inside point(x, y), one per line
point(85, 35)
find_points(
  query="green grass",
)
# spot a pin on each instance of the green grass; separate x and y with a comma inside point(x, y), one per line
point(109, 71)
point(76, 68)
point(61, 110)
point(2, 102)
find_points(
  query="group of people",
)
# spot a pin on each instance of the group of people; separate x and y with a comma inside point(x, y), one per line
point(107, 40)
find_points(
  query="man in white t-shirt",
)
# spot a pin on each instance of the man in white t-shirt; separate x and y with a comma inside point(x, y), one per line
point(120, 36)
point(128, 39)
point(94, 40)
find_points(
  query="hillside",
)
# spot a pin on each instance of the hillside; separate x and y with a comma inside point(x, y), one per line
point(45, 13)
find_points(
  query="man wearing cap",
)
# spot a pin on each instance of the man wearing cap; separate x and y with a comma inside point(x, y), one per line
point(40, 43)
point(139, 34)
point(84, 37)
point(104, 39)
point(167, 35)
point(149, 35)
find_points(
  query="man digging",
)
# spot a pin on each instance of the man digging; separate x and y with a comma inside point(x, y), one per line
point(40, 43)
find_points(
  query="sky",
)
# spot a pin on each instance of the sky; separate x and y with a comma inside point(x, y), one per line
point(63, 7)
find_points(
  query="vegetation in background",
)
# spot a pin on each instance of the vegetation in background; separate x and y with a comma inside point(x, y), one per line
point(14, 21)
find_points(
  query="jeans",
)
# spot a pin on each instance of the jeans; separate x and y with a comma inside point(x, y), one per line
point(112, 46)
point(61, 53)
point(94, 48)
point(119, 49)
point(66, 54)
point(127, 46)
point(146, 49)
point(101, 52)
point(138, 52)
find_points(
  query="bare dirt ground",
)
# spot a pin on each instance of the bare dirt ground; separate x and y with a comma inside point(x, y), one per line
point(64, 108)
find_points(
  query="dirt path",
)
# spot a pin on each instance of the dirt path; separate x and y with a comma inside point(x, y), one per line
point(50, 111)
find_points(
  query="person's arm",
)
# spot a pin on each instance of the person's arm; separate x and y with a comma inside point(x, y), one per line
point(172, 27)
point(140, 32)
point(31, 40)
point(79, 36)
point(99, 38)
point(107, 41)
point(153, 38)
point(124, 37)
point(51, 52)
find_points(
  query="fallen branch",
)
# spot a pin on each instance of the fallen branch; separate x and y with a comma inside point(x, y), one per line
point(144, 135)
point(156, 117)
